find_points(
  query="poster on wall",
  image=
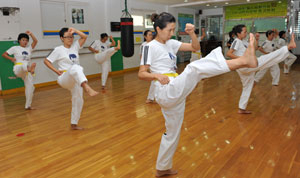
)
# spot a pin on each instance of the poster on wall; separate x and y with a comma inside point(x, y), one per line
point(257, 10)
point(184, 19)
point(77, 16)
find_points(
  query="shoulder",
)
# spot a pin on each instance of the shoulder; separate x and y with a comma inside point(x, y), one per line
point(58, 49)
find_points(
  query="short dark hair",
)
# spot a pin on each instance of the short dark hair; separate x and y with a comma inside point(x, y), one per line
point(63, 31)
point(146, 33)
point(103, 35)
point(162, 20)
point(281, 33)
point(238, 29)
point(23, 35)
point(269, 32)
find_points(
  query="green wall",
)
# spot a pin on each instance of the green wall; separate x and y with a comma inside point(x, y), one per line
point(117, 58)
point(8, 78)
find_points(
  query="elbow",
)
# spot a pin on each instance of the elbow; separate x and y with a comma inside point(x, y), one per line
point(45, 61)
point(196, 48)
point(228, 54)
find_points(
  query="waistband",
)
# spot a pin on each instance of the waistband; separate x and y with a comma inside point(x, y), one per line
point(18, 63)
point(171, 74)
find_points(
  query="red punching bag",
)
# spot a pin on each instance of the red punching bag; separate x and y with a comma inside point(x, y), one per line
point(127, 36)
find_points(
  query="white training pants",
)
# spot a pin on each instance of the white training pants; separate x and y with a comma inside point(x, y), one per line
point(289, 62)
point(103, 58)
point(171, 98)
point(151, 91)
point(72, 80)
point(247, 75)
point(22, 72)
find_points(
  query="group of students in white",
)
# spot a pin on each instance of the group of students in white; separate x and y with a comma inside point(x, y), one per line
point(70, 73)
point(158, 65)
point(270, 49)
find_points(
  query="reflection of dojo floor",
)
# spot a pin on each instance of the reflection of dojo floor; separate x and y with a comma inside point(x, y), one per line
point(123, 133)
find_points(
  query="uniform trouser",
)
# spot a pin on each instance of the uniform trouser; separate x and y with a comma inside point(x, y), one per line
point(72, 80)
point(171, 98)
point(289, 62)
point(247, 75)
point(151, 92)
point(195, 56)
point(103, 59)
point(21, 71)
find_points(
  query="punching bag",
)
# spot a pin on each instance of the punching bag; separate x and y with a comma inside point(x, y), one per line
point(127, 36)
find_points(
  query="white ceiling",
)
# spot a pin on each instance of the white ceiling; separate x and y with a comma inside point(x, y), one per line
point(202, 4)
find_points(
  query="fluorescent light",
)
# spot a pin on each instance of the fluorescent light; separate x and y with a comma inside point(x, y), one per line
point(207, 5)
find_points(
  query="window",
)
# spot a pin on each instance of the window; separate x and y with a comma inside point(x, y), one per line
point(138, 20)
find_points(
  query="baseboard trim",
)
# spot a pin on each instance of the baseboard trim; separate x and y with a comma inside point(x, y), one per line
point(40, 85)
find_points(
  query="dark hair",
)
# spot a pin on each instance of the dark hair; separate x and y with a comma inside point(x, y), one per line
point(230, 34)
point(197, 31)
point(269, 32)
point(238, 29)
point(146, 33)
point(103, 35)
point(162, 20)
point(281, 33)
point(63, 31)
point(22, 35)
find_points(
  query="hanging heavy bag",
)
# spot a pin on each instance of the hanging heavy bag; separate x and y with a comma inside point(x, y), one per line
point(127, 36)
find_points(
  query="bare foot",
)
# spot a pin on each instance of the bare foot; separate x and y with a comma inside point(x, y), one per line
point(249, 56)
point(148, 101)
point(118, 46)
point(30, 108)
point(254, 84)
point(75, 127)
point(165, 173)
point(32, 68)
point(292, 43)
point(243, 111)
point(89, 90)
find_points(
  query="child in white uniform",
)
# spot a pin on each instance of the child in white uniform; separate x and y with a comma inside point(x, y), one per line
point(158, 63)
point(197, 54)
point(267, 47)
point(148, 36)
point(238, 49)
point(23, 67)
point(103, 52)
point(288, 62)
point(70, 73)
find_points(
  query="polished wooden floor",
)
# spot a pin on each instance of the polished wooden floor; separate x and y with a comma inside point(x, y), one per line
point(122, 133)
